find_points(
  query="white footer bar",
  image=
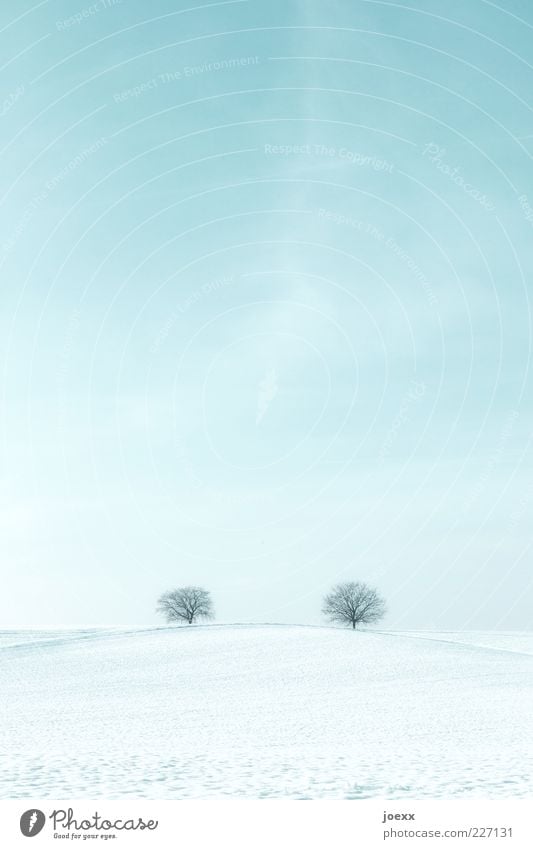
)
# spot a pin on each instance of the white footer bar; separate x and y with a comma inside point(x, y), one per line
point(251, 824)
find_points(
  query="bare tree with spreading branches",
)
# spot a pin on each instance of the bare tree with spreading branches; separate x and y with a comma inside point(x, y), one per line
point(186, 604)
point(353, 603)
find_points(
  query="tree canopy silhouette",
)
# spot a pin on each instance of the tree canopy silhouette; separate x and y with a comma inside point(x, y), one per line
point(186, 604)
point(353, 603)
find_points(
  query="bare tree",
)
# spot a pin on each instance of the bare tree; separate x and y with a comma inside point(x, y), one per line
point(186, 604)
point(353, 603)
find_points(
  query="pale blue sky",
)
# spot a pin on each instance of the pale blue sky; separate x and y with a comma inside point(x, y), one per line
point(265, 308)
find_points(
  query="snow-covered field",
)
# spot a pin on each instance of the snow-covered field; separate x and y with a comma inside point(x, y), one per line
point(261, 711)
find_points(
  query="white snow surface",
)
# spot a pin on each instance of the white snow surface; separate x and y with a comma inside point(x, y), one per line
point(265, 711)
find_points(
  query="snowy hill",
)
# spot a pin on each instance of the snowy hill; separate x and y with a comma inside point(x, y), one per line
point(264, 711)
